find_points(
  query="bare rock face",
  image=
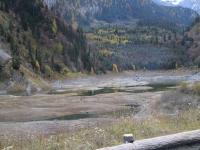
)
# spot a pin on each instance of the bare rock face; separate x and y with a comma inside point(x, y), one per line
point(4, 57)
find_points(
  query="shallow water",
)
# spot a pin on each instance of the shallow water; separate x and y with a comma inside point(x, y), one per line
point(127, 111)
point(125, 89)
point(112, 83)
point(121, 80)
point(94, 85)
point(75, 116)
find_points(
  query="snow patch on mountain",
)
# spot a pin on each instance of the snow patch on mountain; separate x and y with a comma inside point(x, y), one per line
point(174, 2)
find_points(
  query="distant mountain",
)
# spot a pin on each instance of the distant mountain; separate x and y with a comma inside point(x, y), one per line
point(192, 4)
point(129, 32)
point(168, 2)
point(89, 11)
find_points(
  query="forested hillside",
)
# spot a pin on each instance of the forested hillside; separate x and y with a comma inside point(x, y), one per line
point(192, 41)
point(130, 34)
point(39, 40)
point(89, 12)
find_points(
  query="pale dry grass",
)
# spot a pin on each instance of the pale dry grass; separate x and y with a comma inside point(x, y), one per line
point(102, 136)
point(187, 88)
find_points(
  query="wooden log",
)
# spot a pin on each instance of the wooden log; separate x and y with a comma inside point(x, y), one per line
point(163, 142)
point(128, 138)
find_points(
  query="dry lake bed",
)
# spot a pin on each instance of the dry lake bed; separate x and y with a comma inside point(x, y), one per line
point(92, 100)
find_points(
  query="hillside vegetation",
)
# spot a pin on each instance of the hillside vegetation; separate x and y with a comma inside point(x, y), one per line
point(89, 12)
point(193, 42)
point(122, 33)
point(39, 40)
point(137, 47)
point(130, 34)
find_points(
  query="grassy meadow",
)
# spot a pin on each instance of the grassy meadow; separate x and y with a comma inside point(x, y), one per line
point(108, 135)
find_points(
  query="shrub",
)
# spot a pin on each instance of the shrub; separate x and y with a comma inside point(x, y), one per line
point(16, 62)
point(65, 70)
point(58, 67)
point(115, 68)
point(184, 87)
point(196, 88)
point(105, 53)
point(37, 66)
point(47, 71)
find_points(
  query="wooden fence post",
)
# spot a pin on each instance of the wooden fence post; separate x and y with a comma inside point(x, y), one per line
point(164, 142)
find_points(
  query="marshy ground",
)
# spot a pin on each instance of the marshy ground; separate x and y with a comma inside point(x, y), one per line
point(90, 102)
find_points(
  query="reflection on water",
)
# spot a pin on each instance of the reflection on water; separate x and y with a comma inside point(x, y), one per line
point(128, 110)
point(104, 90)
point(75, 116)
point(94, 85)
point(126, 89)
point(129, 89)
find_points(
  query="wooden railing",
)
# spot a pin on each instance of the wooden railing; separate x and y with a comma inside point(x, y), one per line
point(163, 142)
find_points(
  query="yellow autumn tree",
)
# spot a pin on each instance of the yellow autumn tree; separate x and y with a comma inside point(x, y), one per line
point(115, 68)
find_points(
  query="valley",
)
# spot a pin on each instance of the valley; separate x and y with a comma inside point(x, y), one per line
point(136, 47)
point(119, 35)
point(93, 101)
point(75, 73)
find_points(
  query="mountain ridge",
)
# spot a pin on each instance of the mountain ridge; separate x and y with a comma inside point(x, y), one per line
point(192, 4)
point(86, 11)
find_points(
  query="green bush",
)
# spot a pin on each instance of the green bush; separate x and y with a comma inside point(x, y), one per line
point(65, 70)
point(37, 66)
point(16, 62)
point(196, 88)
point(47, 71)
point(184, 87)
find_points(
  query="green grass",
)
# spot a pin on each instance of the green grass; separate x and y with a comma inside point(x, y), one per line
point(184, 87)
point(196, 88)
point(34, 78)
point(71, 75)
point(109, 38)
point(108, 135)
point(190, 88)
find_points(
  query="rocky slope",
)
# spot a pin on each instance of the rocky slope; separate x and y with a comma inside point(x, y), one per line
point(90, 11)
point(40, 43)
point(193, 42)
point(192, 4)
point(38, 33)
